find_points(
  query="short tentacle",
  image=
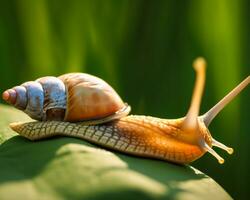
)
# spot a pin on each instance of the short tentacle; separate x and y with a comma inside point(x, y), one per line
point(211, 151)
point(222, 146)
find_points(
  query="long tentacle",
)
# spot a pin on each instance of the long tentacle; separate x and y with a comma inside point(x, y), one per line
point(211, 114)
point(190, 123)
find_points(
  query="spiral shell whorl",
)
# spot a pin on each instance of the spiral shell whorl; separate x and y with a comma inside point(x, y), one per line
point(71, 97)
point(21, 97)
point(54, 95)
point(35, 98)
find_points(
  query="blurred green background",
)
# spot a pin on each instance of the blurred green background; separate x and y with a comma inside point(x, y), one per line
point(144, 49)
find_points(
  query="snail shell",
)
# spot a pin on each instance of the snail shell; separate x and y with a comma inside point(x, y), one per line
point(71, 97)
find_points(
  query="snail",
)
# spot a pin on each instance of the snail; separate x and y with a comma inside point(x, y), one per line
point(84, 106)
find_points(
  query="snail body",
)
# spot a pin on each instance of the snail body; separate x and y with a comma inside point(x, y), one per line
point(134, 134)
point(83, 106)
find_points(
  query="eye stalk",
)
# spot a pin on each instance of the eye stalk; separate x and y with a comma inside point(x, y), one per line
point(211, 114)
point(191, 123)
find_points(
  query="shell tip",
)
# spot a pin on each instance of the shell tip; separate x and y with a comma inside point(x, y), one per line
point(6, 95)
point(9, 96)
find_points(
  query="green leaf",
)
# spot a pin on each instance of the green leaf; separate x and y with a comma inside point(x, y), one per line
point(70, 168)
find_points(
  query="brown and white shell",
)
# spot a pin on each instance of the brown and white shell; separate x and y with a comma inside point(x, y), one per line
point(71, 97)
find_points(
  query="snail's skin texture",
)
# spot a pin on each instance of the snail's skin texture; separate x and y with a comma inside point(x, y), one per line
point(136, 135)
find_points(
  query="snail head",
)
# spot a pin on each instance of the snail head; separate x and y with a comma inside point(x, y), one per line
point(194, 126)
